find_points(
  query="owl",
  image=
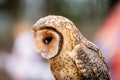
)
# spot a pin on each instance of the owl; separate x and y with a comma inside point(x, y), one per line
point(71, 56)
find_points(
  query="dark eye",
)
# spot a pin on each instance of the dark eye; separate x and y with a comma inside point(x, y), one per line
point(47, 40)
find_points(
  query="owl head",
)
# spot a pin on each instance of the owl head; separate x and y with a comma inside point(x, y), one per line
point(54, 34)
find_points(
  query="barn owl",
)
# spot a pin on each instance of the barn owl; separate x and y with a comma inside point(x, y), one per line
point(71, 56)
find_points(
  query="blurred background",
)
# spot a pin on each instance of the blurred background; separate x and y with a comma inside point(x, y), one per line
point(98, 21)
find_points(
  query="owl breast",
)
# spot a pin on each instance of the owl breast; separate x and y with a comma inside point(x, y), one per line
point(64, 68)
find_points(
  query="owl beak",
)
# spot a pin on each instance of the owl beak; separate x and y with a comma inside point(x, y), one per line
point(43, 51)
point(37, 50)
point(40, 50)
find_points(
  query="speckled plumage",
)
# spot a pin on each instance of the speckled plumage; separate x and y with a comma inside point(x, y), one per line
point(71, 56)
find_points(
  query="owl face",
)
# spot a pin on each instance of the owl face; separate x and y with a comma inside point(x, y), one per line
point(47, 42)
point(54, 35)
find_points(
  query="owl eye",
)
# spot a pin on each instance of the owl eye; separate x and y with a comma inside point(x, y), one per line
point(47, 40)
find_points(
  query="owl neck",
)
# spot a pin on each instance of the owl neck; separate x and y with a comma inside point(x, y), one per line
point(59, 56)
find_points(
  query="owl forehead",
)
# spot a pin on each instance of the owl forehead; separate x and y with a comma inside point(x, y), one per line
point(56, 22)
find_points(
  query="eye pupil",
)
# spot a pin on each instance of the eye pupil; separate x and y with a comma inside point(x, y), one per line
point(47, 40)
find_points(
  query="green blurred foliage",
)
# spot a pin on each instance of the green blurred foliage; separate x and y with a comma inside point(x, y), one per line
point(86, 14)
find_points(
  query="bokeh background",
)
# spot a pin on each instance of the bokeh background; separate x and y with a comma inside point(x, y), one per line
point(98, 21)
